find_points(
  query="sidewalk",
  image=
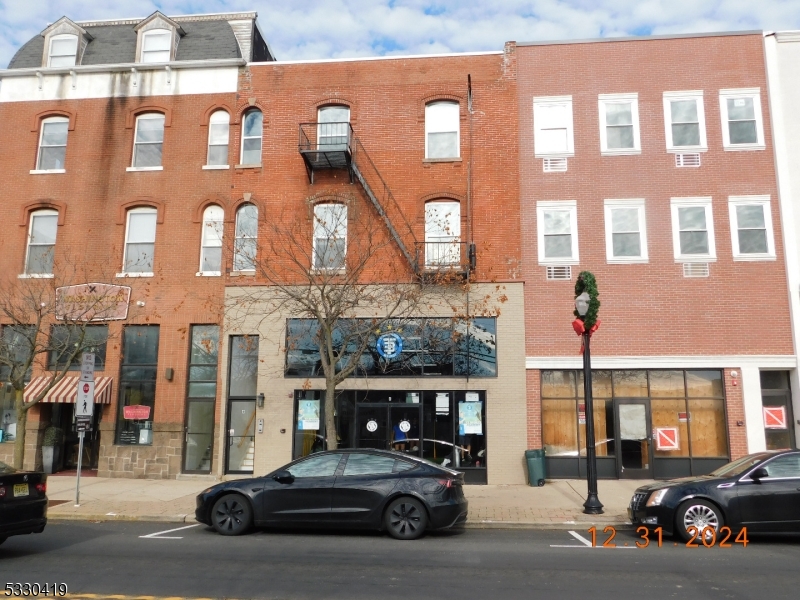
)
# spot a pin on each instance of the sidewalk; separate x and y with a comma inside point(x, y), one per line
point(557, 505)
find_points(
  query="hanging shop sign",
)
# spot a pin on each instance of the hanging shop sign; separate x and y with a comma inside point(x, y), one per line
point(667, 439)
point(92, 302)
point(389, 346)
point(775, 417)
point(136, 412)
point(308, 415)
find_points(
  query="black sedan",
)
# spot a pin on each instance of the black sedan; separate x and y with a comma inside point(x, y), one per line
point(375, 489)
point(760, 492)
point(23, 502)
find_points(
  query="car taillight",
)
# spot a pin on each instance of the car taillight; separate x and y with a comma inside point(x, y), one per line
point(448, 483)
point(41, 487)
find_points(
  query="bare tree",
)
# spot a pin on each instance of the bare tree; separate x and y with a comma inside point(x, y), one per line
point(45, 328)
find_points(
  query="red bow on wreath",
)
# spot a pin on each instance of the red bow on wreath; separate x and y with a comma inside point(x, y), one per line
point(580, 329)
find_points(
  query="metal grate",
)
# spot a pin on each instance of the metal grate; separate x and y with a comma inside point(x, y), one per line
point(559, 273)
point(638, 500)
point(695, 269)
point(687, 160)
point(555, 165)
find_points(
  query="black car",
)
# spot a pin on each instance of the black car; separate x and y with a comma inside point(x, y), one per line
point(23, 502)
point(760, 492)
point(374, 489)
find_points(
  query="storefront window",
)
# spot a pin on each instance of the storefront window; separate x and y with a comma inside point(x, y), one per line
point(201, 396)
point(438, 422)
point(601, 384)
point(559, 434)
point(66, 337)
point(667, 384)
point(309, 423)
point(630, 384)
point(776, 400)
point(707, 426)
point(604, 426)
point(138, 384)
point(704, 384)
point(559, 384)
point(670, 415)
point(244, 366)
point(8, 413)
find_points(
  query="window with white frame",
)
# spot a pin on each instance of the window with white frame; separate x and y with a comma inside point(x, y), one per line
point(63, 51)
point(442, 126)
point(557, 232)
point(333, 125)
point(218, 134)
point(552, 125)
point(52, 144)
point(751, 228)
point(41, 242)
point(156, 46)
point(148, 141)
point(685, 122)
point(245, 242)
point(619, 124)
point(626, 231)
point(330, 236)
point(742, 124)
point(442, 233)
point(211, 241)
point(693, 230)
point(140, 241)
point(252, 131)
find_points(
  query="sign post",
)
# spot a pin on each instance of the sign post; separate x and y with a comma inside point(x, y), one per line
point(84, 407)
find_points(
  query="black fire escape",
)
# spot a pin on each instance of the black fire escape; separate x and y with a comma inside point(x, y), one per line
point(334, 146)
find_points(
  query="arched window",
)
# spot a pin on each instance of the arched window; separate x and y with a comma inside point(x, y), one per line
point(156, 46)
point(140, 241)
point(218, 132)
point(252, 130)
point(330, 236)
point(442, 130)
point(41, 242)
point(442, 233)
point(211, 242)
point(63, 51)
point(333, 127)
point(148, 140)
point(52, 144)
point(244, 246)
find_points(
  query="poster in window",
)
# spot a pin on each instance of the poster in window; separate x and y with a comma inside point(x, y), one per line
point(667, 439)
point(442, 404)
point(308, 415)
point(775, 417)
point(469, 418)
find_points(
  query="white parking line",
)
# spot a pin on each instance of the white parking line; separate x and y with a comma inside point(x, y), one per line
point(580, 538)
point(588, 544)
point(157, 535)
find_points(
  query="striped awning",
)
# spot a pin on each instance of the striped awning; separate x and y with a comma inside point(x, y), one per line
point(66, 390)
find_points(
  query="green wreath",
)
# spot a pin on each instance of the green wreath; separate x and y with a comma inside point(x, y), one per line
point(587, 283)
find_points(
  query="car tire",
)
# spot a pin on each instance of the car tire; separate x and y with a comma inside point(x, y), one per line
point(697, 513)
point(405, 518)
point(232, 515)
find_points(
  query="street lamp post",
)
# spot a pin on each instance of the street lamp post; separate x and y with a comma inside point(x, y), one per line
point(592, 506)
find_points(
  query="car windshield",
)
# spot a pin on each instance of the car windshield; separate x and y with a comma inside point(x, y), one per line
point(738, 467)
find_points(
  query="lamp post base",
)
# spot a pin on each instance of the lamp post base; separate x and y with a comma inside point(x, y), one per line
point(592, 506)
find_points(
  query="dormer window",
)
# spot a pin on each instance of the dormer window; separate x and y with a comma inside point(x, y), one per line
point(156, 46)
point(63, 51)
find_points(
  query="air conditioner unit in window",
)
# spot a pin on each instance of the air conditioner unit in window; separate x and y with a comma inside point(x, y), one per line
point(695, 269)
point(559, 273)
point(687, 160)
point(555, 165)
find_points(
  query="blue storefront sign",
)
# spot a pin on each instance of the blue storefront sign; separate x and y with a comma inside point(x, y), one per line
point(389, 345)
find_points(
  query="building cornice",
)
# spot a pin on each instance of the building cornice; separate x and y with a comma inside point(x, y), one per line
point(115, 68)
point(178, 19)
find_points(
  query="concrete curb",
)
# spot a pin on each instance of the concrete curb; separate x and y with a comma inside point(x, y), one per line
point(106, 517)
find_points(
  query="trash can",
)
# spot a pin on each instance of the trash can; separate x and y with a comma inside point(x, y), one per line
point(536, 473)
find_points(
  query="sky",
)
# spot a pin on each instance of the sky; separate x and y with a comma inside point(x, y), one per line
point(315, 29)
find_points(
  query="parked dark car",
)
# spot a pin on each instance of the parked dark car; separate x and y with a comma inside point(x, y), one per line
point(23, 502)
point(374, 489)
point(760, 492)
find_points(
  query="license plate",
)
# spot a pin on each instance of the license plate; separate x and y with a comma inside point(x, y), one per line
point(21, 489)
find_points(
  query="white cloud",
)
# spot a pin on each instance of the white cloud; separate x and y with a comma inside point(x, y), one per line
point(305, 29)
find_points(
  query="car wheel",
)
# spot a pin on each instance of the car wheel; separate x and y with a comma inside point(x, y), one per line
point(405, 519)
point(700, 514)
point(231, 515)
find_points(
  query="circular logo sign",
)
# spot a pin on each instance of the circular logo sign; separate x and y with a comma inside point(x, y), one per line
point(389, 345)
point(405, 426)
point(372, 425)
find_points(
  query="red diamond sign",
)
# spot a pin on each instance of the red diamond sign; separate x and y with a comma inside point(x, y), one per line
point(775, 417)
point(667, 439)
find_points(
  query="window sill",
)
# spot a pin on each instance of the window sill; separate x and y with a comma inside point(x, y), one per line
point(735, 148)
point(46, 171)
point(687, 150)
point(752, 257)
point(124, 275)
point(136, 169)
point(442, 160)
point(695, 259)
point(621, 152)
point(328, 271)
point(562, 155)
point(256, 166)
point(35, 276)
point(215, 167)
point(631, 260)
point(247, 273)
point(208, 274)
point(559, 263)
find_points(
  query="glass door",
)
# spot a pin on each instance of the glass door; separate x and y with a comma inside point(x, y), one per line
point(372, 427)
point(241, 436)
point(389, 427)
point(634, 452)
point(404, 429)
point(199, 436)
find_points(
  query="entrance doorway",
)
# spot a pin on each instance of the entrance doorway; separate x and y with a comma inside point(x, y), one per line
point(634, 451)
point(241, 436)
point(199, 436)
point(389, 427)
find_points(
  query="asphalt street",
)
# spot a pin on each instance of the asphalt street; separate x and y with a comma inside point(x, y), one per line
point(193, 561)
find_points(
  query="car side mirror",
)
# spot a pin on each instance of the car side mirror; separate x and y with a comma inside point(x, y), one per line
point(759, 473)
point(283, 476)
